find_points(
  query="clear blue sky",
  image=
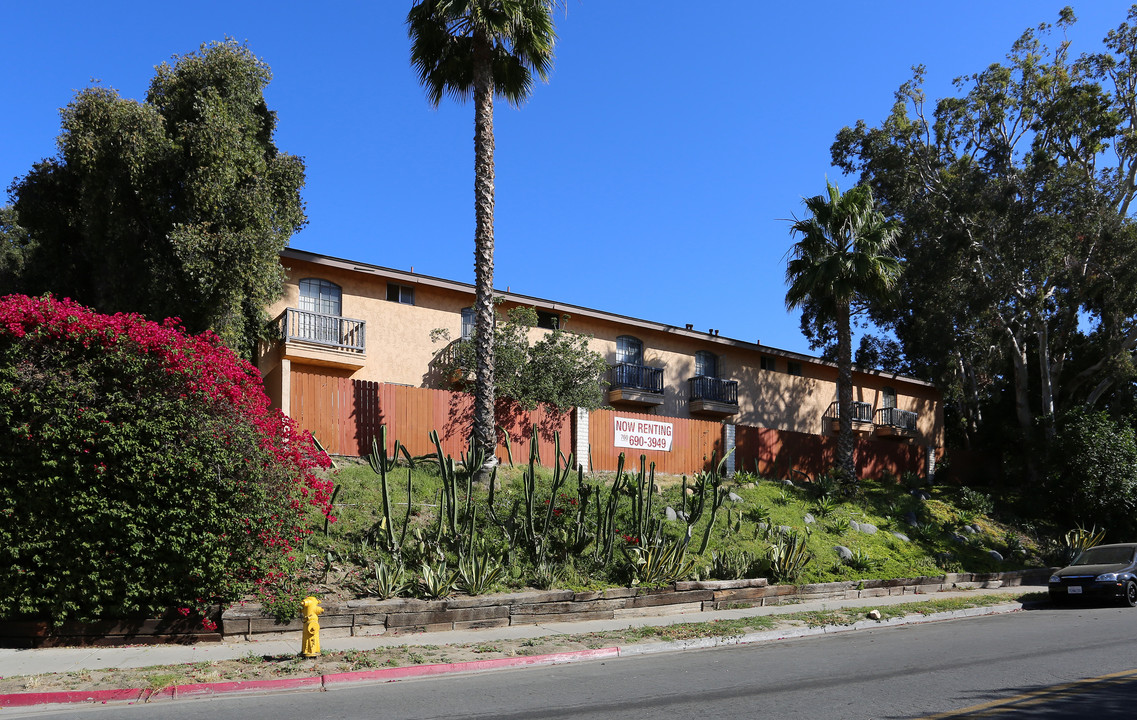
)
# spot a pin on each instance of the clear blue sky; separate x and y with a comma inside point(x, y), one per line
point(653, 176)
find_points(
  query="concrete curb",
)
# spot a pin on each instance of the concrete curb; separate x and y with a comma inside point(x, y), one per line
point(325, 682)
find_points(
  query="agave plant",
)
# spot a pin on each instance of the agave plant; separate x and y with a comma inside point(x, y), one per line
point(478, 572)
point(824, 506)
point(436, 581)
point(862, 561)
point(732, 564)
point(788, 557)
point(387, 581)
point(1079, 539)
point(546, 575)
point(660, 563)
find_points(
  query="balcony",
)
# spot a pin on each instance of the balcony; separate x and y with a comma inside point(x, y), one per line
point(319, 339)
point(713, 396)
point(635, 385)
point(895, 424)
point(862, 417)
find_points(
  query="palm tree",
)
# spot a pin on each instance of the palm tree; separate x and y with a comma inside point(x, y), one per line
point(844, 261)
point(479, 49)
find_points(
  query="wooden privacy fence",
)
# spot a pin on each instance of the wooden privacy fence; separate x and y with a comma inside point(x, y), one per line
point(344, 415)
point(693, 443)
point(775, 453)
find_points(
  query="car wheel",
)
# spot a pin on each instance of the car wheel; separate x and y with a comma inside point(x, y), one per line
point(1131, 593)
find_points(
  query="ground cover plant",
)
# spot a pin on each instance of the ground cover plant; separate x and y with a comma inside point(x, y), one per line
point(142, 469)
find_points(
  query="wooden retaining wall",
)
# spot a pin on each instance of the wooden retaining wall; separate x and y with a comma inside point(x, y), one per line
point(398, 616)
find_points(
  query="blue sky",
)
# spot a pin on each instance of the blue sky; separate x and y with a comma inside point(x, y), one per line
point(654, 175)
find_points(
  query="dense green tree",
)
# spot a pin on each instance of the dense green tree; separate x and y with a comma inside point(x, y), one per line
point(175, 206)
point(482, 49)
point(843, 262)
point(1014, 198)
point(558, 370)
point(14, 248)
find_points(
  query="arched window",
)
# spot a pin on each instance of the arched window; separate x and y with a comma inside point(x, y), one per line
point(706, 364)
point(629, 350)
point(321, 296)
point(887, 397)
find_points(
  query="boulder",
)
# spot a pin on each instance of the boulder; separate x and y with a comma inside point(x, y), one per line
point(901, 537)
point(670, 513)
point(843, 552)
point(809, 519)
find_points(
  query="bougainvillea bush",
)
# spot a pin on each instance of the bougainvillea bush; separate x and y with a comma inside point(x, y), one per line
point(141, 468)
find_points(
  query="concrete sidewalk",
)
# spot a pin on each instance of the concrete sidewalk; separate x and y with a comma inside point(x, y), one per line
point(53, 660)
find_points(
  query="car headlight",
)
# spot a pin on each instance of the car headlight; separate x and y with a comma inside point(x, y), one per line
point(1055, 580)
point(1106, 577)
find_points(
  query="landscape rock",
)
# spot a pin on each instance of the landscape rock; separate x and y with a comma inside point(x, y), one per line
point(901, 536)
point(681, 515)
point(670, 513)
point(785, 529)
point(911, 519)
point(789, 482)
point(843, 552)
point(996, 555)
point(874, 615)
point(809, 519)
point(976, 527)
point(968, 529)
point(867, 528)
point(921, 495)
point(854, 525)
point(734, 498)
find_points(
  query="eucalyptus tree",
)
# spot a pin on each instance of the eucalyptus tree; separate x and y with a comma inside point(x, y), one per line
point(1015, 199)
point(479, 49)
point(843, 263)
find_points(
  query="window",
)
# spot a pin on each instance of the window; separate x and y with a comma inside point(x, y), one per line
point(793, 367)
point(320, 296)
point(706, 364)
point(401, 293)
point(629, 350)
point(467, 323)
point(768, 363)
point(887, 398)
point(548, 320)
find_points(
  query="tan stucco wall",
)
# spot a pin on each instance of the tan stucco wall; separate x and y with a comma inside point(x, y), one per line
point(399, 350)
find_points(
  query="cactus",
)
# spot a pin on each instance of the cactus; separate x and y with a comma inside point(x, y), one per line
point(381, 465)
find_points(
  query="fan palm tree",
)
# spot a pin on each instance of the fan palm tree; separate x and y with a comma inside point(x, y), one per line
point(479, 49)
point(844, 260)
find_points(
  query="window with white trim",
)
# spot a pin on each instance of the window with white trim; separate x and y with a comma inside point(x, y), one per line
point(321, 296)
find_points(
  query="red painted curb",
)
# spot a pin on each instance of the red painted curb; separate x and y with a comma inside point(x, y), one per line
point(65, 697)
point(399, 673)
point(236, 686)
point(306, 683)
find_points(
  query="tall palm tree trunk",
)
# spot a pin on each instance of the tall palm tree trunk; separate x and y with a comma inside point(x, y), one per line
point(485, 435)
point(845, 441)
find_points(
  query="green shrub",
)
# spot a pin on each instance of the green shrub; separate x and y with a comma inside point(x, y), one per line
point(1092, 474)
point(142, 468)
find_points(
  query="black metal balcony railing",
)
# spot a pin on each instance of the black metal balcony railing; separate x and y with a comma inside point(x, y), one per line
point(331, 330)
point(862, 411)
point(705, 387)
point(625, 376)
point(893, 417)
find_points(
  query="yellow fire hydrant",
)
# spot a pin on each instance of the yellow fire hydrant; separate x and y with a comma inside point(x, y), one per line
point(310, 647)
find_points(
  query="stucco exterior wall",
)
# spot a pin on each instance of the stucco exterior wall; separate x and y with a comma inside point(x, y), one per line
point(399, 350)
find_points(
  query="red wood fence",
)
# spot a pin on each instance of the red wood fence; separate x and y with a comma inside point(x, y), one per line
point(776, 452)
point(345, 414)
point(693, 442)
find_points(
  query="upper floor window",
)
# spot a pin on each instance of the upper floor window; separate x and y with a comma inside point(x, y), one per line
point(706, 364)
point(887, 397)
point(793, 367)
point(467, 323)
point(400, 293)
point(767, 363)
point(548, 320)
point(321, 296)
point(629, 350)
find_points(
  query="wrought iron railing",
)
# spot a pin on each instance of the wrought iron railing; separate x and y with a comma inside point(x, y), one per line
point(705, 387)
point(625, 376)
point(893, 417)
point(862, 411)
point(331, 330)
